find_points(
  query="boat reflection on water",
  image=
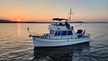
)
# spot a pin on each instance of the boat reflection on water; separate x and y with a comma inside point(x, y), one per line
point(68, 53)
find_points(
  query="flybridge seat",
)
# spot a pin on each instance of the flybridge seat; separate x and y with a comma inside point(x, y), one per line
point(80, 33)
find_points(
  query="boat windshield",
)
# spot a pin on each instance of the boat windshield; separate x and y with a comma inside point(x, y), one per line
point(63, 33)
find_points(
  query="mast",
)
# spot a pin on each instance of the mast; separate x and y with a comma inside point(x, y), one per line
point(70, 14)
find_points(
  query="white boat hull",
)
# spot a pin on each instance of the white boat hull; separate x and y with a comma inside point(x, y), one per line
point(39, 42)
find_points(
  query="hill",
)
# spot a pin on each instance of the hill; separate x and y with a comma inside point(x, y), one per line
point(5, 21)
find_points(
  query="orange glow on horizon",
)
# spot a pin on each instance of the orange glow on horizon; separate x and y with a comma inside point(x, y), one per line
point(18, 20)
point(31, 10)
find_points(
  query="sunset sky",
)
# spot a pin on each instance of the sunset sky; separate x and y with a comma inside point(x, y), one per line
point(45, 10)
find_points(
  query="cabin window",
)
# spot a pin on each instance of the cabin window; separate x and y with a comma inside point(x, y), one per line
point(51, 32)
point(70, 33)
point(57, 33)
point(63, 33)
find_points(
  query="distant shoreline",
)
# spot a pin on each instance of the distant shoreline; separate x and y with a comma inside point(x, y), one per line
point(52, 22)
point(8, 21)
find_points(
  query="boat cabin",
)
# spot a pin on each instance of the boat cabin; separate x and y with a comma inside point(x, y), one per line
point(60, 29)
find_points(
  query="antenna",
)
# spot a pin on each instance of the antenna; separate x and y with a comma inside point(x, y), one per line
point(70, 14)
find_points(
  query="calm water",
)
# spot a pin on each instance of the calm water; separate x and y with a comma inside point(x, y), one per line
point(15, 45)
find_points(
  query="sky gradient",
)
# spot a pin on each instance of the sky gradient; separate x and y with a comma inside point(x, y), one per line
point(45, 10)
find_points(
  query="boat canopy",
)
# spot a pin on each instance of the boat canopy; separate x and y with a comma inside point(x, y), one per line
point(59, 19)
